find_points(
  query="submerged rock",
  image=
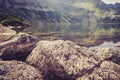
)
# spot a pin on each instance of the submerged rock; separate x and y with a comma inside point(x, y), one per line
point(61, 60)
point(15, 70)
point(17, 48)
point(6, 33)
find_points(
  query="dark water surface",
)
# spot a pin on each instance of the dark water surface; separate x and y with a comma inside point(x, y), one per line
point(102, 35)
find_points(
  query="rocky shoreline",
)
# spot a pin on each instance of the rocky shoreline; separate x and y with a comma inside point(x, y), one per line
point(23, 57)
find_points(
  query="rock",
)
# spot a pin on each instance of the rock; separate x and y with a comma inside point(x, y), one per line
point(107, 71)
point(16, 70)
point(117, 44)
point(6, 33)
point(61, 60)
point(110, 54)
point(18, 48)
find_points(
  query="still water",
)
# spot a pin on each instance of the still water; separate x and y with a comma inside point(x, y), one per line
point(103, 35)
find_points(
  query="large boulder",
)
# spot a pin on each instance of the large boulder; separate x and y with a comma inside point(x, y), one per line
point(61, 60)
point(15, 70)
point(17, 48)
point(6, 33)
point(106, 71)
point(64, 60)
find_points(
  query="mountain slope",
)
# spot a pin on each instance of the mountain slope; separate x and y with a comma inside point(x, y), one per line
point(39, 12)
point(30, 11)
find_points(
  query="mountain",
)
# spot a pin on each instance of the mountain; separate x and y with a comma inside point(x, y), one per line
point(30, 11)
point(39, 12)
point(116, 7)
point(114, 17)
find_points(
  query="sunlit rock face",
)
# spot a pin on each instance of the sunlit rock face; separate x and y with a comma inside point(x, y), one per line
point(64, 59)
point(15, 70)
point(6, 33)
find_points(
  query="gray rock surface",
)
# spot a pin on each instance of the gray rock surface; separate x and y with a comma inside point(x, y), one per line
point(17, 48)
point(15, 70)
point(106, 71)
point(109, 54)
point(64, 60)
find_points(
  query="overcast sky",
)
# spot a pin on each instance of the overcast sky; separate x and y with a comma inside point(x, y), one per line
point(111, 1)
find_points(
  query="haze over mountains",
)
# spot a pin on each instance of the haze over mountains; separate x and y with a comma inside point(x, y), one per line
point(61, 11)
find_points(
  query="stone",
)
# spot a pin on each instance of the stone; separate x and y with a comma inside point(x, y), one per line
point(111, 54)
point(117, 44)
point(61, 60)
point(107, 71)
point(6, 33)
point(16, 70)
point(17, 48)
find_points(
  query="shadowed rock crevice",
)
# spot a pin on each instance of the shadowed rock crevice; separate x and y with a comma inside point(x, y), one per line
point(51, 75)
point(115, 58)
point(17, 56)
point(90, 71)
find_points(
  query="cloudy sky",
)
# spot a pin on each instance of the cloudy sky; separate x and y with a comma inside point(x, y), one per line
point(111, 1)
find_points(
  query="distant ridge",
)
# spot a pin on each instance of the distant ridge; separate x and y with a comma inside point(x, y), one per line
point(39, 12)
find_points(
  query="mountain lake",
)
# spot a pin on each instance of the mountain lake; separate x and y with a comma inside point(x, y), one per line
point(89, 35)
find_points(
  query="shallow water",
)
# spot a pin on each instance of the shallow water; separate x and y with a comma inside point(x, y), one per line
point(90, 35)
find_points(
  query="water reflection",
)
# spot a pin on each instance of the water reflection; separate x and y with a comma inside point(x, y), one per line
point(86, 35)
